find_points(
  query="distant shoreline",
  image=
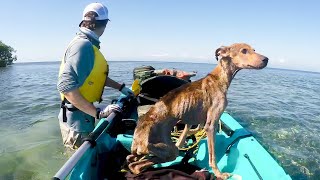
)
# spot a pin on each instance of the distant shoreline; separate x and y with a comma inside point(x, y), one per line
point(54, 62)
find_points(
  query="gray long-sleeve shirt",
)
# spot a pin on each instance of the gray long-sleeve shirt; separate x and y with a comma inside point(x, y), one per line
point(79, 61)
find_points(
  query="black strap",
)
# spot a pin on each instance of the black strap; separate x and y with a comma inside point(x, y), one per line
point(64, 111)
point(253, 166)
point(91, 140)
point(65, 108)
point(148, 98)
point(122, 86)
point(236, 140)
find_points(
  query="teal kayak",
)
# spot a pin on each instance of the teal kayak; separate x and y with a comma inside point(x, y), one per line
point(237, 151)
point(240, 154)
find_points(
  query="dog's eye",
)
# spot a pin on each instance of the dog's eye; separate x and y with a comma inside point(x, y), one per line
point(244, 51)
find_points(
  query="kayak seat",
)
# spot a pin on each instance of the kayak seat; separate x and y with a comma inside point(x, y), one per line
point(157, 86)
point(124, 126)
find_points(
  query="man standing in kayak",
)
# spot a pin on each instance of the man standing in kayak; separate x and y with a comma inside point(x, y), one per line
point(82, 77)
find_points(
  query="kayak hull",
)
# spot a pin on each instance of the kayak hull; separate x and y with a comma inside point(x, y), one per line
point(237, 151)
point(239, 154)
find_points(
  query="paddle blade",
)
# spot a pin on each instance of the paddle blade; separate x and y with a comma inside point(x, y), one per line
point(136, 88)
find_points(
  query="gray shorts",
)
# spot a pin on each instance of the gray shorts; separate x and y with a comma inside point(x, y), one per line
point(71, 139)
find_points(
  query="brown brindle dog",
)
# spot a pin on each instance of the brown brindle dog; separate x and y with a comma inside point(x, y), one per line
point(200, 102)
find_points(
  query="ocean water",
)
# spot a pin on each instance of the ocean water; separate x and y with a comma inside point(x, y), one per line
point(280, 107)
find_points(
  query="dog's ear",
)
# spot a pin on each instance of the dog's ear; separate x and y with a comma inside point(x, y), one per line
point(222, 51)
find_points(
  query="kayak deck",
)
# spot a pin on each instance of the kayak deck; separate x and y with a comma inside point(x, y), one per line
point(246, 158)
point(237, 151)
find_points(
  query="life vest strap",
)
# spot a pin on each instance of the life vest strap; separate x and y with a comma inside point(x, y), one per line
point(65, 105)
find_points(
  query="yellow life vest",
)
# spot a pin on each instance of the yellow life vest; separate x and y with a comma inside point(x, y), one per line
point(93, 86)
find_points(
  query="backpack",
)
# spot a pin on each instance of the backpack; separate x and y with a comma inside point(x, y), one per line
point(143, 72)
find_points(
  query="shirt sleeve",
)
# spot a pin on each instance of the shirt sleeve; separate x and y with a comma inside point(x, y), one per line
point(79, 60)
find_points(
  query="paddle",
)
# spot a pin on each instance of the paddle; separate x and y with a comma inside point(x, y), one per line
point(90, 142)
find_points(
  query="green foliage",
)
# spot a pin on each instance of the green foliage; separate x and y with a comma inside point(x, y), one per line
point(6, 55)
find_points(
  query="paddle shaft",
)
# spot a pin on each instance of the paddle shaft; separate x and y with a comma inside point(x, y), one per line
point(68, 166)
point(73, 160)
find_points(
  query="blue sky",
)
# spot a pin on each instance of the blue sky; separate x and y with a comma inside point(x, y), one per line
point(288, 32)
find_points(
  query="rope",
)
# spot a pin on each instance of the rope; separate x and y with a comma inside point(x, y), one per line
point(199, 135)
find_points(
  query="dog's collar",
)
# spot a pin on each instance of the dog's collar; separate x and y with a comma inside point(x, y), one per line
point(235, 72)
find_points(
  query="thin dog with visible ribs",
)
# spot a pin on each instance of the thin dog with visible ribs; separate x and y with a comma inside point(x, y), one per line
point(200, 102)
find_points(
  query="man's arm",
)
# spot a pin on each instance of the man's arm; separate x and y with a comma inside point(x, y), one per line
point(79, 63)
point(121, 87)
point(111, 83)
point(75, 98)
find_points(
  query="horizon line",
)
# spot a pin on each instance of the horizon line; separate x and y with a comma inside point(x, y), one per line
point(280, 68)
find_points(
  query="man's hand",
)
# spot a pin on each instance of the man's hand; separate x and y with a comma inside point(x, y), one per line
point(108, 110)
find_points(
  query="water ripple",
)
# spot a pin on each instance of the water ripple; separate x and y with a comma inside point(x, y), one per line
point(280, 108)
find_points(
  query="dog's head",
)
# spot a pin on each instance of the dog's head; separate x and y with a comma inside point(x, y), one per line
point(242, 55)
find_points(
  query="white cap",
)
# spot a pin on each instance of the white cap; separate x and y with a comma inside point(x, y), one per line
point(98, 8)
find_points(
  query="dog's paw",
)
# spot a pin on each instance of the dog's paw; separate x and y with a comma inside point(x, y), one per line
point(222, 176)
point(134, 168)
point(131, 158)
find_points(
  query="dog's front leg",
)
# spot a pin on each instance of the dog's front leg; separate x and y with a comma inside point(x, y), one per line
point(212, 121)
point(183, 136)
point(187, 131)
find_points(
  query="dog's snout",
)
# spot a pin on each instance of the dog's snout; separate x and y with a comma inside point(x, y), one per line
point(265, 60)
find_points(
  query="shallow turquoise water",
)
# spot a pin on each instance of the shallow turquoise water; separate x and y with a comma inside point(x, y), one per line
point(280, 107)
